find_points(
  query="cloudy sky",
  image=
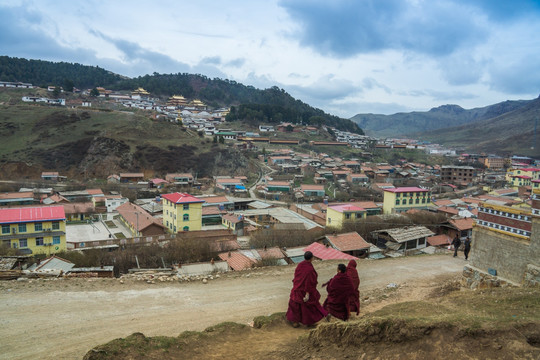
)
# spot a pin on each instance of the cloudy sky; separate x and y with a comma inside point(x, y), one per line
point(344, 56)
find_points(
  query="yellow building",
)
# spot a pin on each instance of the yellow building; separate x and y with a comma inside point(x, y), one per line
point(533, 173)
point(182, 212)
point(34, 230)
point(535, 185)
point(405, 198)
point(520, 180)
point(336, 215)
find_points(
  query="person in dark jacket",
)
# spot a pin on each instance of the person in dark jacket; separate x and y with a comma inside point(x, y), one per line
point(467, 248)
point(457, 243)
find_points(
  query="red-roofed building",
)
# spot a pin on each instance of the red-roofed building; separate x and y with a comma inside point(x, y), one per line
point(34, 230)
point(350, 243)
point(139, 221)
point(328, 253)
point(237, 261)
point(182, 212)
point(439, 240)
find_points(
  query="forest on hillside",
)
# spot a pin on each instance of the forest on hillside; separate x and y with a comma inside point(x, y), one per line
point(267, 105)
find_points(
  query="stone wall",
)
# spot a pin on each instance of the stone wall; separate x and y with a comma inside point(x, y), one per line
point(532, 276)
point(476, 279)
point(508, 255)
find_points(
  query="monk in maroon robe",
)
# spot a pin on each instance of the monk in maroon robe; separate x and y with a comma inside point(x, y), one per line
point(354, 302)
point(340, 291)
point(304, 305)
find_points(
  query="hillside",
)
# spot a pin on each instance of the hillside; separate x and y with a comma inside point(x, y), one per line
point(401, 124)
point(215, 92)
point(96, 143)
point(511, 132)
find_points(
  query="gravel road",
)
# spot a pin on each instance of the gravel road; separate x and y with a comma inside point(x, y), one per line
point(63, 319)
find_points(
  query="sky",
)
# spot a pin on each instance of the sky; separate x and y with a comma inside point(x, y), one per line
point(343, 56)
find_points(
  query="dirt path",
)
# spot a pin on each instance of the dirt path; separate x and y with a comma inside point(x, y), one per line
point(63, 319)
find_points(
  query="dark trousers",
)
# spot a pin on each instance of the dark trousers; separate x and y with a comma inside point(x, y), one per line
point(455, 250)
point(466, 251)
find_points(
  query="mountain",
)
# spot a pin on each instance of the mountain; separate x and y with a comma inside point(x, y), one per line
point(278, 104)
point(512, 132)
point(400, 124)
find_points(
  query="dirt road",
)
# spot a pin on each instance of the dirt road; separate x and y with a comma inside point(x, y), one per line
point(63, 319)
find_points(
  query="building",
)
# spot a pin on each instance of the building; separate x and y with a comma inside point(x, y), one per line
point(34, 230)
point(182, 212)
point(337, 215)
point(405, 198)
point(403, 239)
point(180, 178)
point(312, 190)
point(457, 174)
point(506, 243)
point(17, 198)
point(139, 222)
point(278, 186)
point(494, 162)
point(234, 222)
point(131, 177)
point(349, 243)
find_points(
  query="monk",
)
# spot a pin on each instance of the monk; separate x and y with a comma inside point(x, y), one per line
point(340, 291)
point(304, 305)
point(354, 301)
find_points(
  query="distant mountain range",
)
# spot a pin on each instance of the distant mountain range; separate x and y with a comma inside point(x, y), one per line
point(506, 127)
point(214, 92)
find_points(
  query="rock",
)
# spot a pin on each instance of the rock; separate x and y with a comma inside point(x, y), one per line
point(121, 281)
point(217, 276)
point(205, 281)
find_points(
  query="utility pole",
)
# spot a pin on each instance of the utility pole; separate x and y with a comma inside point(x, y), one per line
point(137, 224)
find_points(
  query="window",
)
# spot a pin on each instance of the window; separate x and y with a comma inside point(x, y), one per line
point(56, 225)
point(23, 243)
point(6, 229)
point(186, 228)
point(39, 241)
point(167, 223)
point(410, 201)
point(397, 202)
point(38, 226)
point(186, 217)
point(398, 195)
point(174, 228)
point(418, 200)
point(329, 220)
point(56, 240)
point(423, 201)
point(358, 215)
point(347, 215)
point(421, 241)
point(22, 228)
point(186, 206)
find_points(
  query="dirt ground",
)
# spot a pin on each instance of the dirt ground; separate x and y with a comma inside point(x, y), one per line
point(63, 319)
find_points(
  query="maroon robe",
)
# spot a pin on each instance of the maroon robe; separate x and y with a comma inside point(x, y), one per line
point(305, 282)
point(340, 291)
point(354, 302)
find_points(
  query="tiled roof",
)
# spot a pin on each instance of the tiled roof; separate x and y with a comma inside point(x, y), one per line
point(129, 212)
point(45, 213)
point(462, 224)
point(438, 240)
point(236, 260)
point(312, 187)
point(16, 195)
point(94, 191)
point(181, 198)
point(278, 183)
point(79, 208)
point(348, 242)
point(448, 210)
point(327, 253)
point(271, 253)
point(211, 210)
point(131, 175)
point(233, 218)
point(215, 199)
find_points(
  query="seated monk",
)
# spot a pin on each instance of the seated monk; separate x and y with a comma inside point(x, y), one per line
point(304, 306)
point(340, 291)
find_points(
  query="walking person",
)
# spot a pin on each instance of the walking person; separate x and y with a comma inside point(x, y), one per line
point(340, 291)
point(457, 243)
point(467, 248)
point(304, 306)
point(354, 302)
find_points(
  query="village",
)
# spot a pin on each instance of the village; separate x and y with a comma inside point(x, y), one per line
point(338, 207)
